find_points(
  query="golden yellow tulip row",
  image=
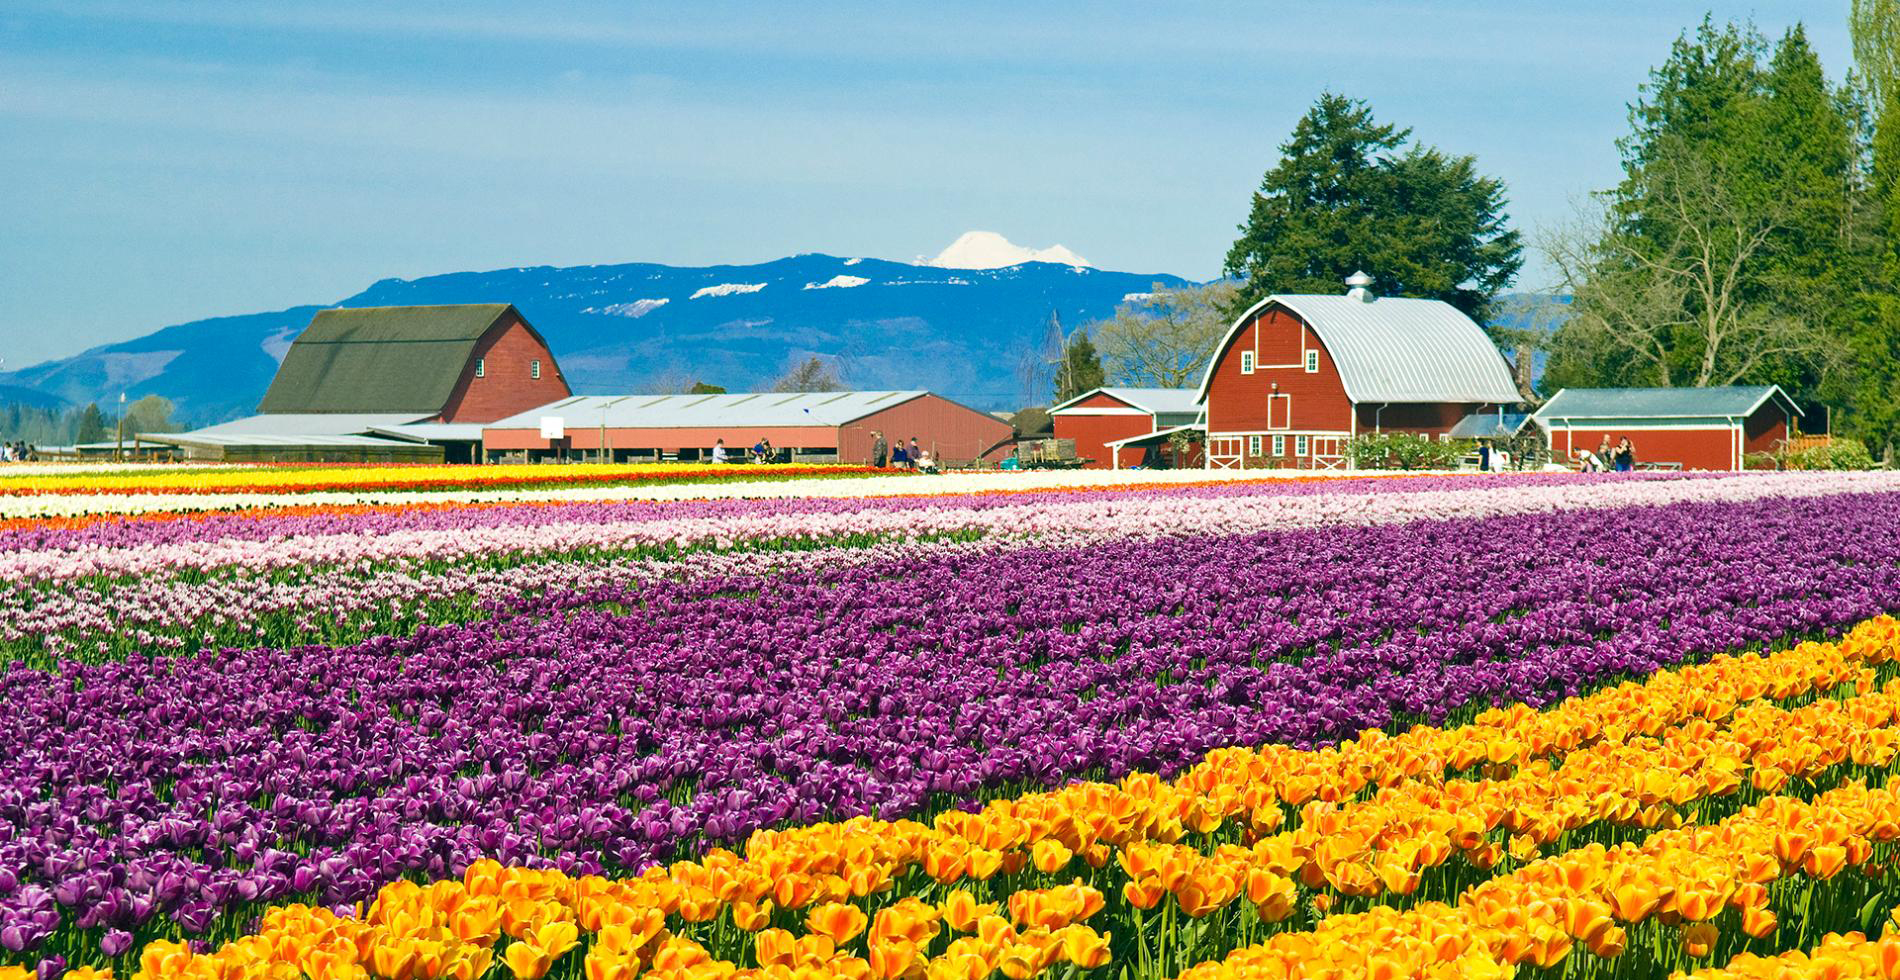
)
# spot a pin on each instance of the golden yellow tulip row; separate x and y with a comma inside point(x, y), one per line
point(1636, 755)
point(1679, 881)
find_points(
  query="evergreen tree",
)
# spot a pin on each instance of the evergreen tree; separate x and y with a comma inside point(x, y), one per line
point(1349, 195)
point(1081, 368)
point(1871, 392)
point(92, 425)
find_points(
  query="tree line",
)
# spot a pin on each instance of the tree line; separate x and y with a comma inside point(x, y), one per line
point(1753, 238)
point(43, 426)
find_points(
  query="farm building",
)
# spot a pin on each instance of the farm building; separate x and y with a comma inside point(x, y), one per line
point(1098, 418)
point(1298, 376)
point(390, 384)
point(1690, 428)
point(804, 426)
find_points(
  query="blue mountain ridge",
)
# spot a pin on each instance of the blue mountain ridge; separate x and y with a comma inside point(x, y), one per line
point(613, 328)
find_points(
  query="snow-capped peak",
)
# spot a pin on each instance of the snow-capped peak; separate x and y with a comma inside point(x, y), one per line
point(989, 250)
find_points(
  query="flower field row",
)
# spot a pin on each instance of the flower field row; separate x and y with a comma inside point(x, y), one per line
point(104, 590)
point(1268, 851)
point(580, 482)
point(598, 732)
point(280, 480)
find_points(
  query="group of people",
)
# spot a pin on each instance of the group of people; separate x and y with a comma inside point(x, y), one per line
point(901, 456)
point(761, 452)
point(15, 452)
point(1620, 458)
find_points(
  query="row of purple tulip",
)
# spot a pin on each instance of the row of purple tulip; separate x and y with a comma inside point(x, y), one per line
point(164, 796)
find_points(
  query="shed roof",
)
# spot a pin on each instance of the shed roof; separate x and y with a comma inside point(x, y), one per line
point(274, 440)
point(1490, 425)
point(380, 358)
point(1152, 400)
point(1394, 349)
point(309, 424)
point(816, 408)
point(1732, 401)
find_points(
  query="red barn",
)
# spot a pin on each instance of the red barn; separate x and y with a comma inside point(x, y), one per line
point(817, 426)
point(388, 384)
point(1096, 418)
point(1297, 377)
point(1690, 428)
point(453, 364)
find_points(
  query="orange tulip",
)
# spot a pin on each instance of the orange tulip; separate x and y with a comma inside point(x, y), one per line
point(1144, 893)
point(892, 958)
point(1698, 939)
point(1085, 947)
point(836, 921)
point(961, 911)
point(1051, 856)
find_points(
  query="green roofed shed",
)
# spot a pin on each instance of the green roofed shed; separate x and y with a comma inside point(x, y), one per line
point(392, 359)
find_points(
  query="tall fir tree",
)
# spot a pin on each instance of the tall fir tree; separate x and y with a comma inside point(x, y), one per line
point(92, 425)
point(1081, 367)
point(1348, 195)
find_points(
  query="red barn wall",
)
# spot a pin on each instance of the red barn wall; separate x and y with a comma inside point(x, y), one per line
point(1092, 433)
point(506, 386)
point(1695, 449)
point(1423, 418)
point(1765, 430)
point(953, 433)
point(1237, 402)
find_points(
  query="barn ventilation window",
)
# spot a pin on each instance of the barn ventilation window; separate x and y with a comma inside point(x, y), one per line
point(1246, 362)
point(481, 367)
point(1279, 445)
point(534, 369)
point(1312, 362)
point(1253, 445)
point(1300, 445)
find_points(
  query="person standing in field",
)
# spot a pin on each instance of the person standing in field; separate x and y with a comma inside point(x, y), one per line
point(719, 450)
point(914, 453)
point(879, 449)
point(1606, 454)
point(1625, 455)
point(899, 458)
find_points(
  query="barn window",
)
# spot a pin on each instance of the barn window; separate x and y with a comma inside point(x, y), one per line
point(481, 367)
point(1299, 445)
point(534, 369)
point(1279, 445)
point(1253, 445)
point(1312, 362)
point(1246, 362)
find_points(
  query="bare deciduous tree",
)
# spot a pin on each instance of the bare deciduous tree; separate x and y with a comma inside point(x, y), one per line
point(1165, 339)
point(812, 374)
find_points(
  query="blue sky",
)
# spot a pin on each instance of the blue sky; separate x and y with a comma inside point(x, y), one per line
point(173, 160)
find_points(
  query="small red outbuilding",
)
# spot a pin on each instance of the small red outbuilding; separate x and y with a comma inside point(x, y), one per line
point(1690, 428)
point(1096, 418)
point(839, 426)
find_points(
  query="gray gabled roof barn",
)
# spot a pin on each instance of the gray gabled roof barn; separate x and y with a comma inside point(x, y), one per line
point(384, 359)
point(1394, 349)
point(1729, 402)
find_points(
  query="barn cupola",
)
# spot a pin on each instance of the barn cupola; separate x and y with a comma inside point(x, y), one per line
point(1359, 287)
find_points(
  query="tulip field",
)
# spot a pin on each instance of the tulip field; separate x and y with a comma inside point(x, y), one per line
point(520, 722)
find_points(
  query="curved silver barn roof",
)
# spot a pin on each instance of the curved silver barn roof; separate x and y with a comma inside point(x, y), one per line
point(1393, 349)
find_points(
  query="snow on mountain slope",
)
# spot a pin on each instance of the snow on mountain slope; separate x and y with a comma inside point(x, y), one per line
point(989, 250)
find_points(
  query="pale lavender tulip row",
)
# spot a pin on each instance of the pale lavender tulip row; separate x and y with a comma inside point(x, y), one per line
point(164, 794)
